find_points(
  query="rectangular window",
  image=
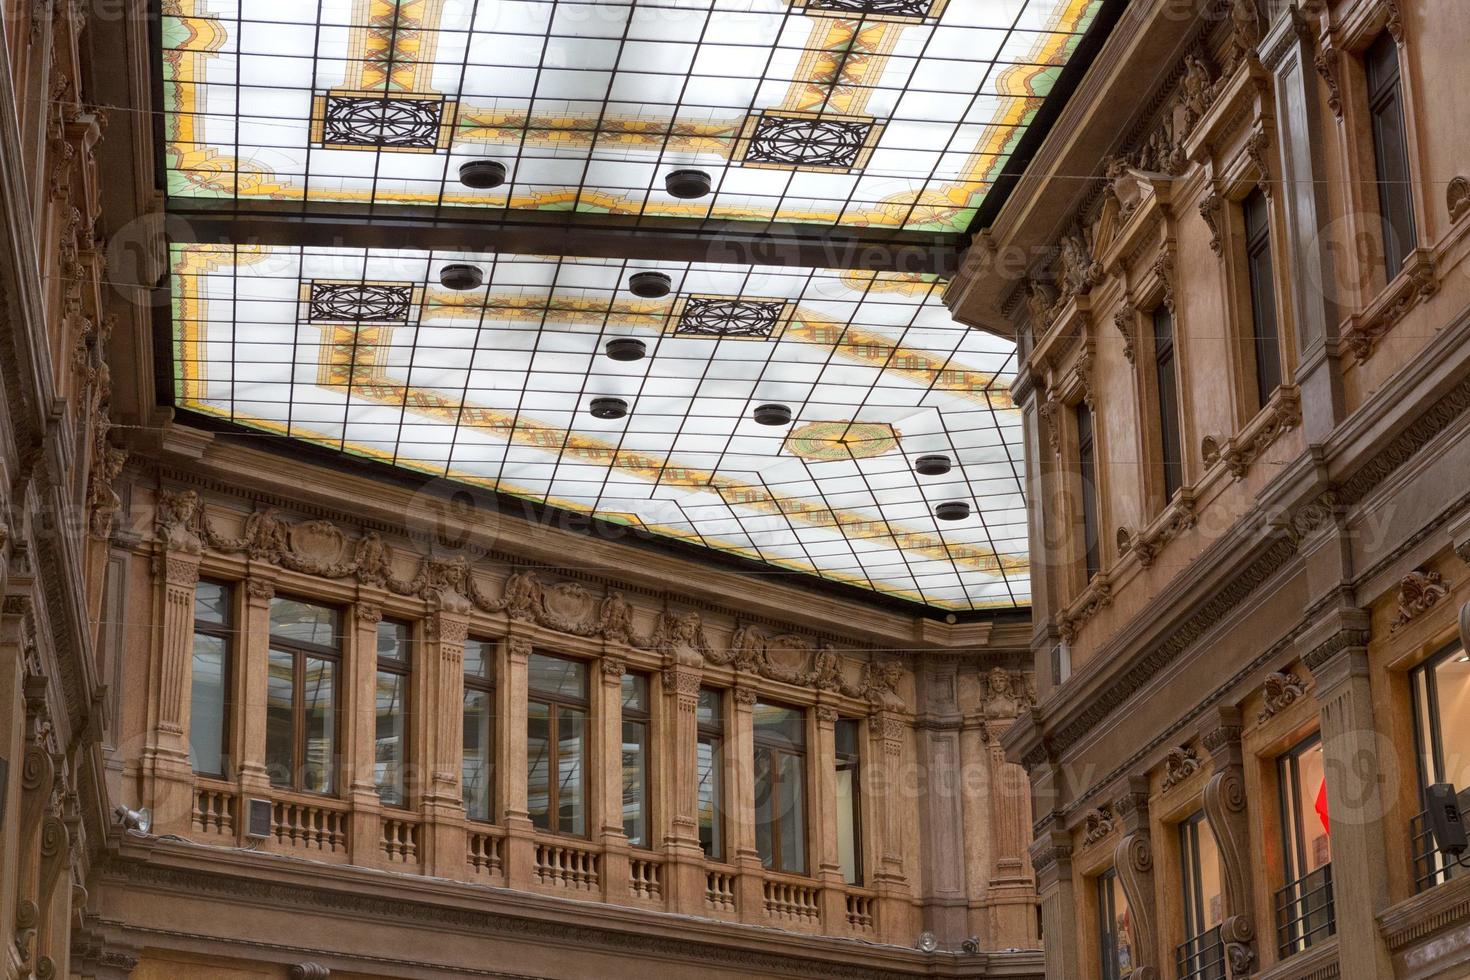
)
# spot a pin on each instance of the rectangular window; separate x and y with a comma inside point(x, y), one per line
point(710, 762)
point(636, 722)
point(301, 696)
point(1114, 928)
point(477, 773)
point(849, 801)
point(1390, 151)
point(1087, 474)
point(390, 743)
point(1441, 687)
point(1265, 336)
point(556, 742)
point(209, 684)
point(1166, 378)
point(780, 787)
point(1202, 955)
point(1304, 908)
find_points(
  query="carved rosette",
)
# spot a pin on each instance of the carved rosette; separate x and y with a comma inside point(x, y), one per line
point(1098, 825)
point(1419, 591)
point(1280, 691)
point(1181, 763)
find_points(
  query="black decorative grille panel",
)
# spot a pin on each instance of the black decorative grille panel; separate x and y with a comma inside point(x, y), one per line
point(359, 302)
point(712, 316)
point(792, 142)
point(890, 8)
point(364, 120)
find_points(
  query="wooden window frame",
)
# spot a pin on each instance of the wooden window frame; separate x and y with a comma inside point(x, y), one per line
point(644, 717)
point(779, 748)
point(226, 633)
point(553, 748)
point(853, 761)
point(1381, 94)
point(399, 668)
point(1089, 488)
point(1170, 472)
point(1265, 352)
point(715, 734)
point(485, 686)
point(300, 651)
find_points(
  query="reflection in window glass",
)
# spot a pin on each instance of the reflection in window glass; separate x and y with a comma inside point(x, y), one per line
point(280, 718)
point(1441, 687)
point(319, 703)
point(478, 768)
point(1304, 903)
point(209, 685)
point(780, 787)
point(303, 622)
point(390, 743)
point(556, 734)
point(849, 806)
point(709, 762)
point(636, 721)
point(301, 708)
point(1114, 927)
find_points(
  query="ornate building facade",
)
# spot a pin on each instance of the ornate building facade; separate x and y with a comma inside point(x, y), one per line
point(1246, 348)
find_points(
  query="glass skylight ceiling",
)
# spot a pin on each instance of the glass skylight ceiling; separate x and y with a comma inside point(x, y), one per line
point(857, 113)
point(363, 351)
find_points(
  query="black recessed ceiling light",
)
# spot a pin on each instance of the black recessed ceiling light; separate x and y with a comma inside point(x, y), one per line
point(687, 183)
point(482, 174)
point(626, 349)
point(772, 414)
point(650, 285)
point(952, 510)
point(935, 465)
point(608, 408)
point(460, 276)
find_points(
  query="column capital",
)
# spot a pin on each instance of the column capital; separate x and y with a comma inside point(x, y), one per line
point(518, 648)
point(1334, 643)
point(1051, 856)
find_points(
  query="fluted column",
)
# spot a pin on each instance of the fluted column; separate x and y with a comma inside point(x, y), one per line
point(1356, 799)
point(1133, 862)
point(360, 663)
point(170, 775)
point(442, 758)
point(253, 679)
point(520, 848)
point(828, 866)
point(750, 900)
point(884, 794)
point(941, 813)
point(1009, 891)
point(1225, 806)
point(1051, 858)
point(685, 877)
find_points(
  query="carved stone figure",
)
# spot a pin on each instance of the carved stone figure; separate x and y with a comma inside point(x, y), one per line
point(1417, 593)
point(178, 518)
point(615, 618)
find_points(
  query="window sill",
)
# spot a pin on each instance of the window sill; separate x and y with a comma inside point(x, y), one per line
point(1282, 413)
point(1417, 282)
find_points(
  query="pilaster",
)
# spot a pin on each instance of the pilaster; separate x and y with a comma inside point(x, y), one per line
point(253, 680)
point(828, 866)
point(1051, 858)
point(1225, 806)
point(170, 774)
point(1133, 862)
point(605, 782)
point(749, 897)
point(520, 846)
point(360, 662)
point(941, 812)
point(684, 877)
point(443, 803)
point(1358, 792)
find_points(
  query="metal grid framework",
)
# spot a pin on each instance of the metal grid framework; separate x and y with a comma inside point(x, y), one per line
point(589, 104)
point(491, 388)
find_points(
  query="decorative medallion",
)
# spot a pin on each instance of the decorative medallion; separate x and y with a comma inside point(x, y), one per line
point(826, 442)
point(396, 121)
point(358, 302)
point(806, 141)
point(906, 10)
point(730, 317)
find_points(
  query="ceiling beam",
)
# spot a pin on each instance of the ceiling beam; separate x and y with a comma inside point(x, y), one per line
point(561, 234)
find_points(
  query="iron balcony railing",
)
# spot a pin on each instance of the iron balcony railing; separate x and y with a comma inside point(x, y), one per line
point(1202, 958)
point(1304, 912)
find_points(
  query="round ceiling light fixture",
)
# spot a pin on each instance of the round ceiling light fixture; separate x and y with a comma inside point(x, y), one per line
point(608, 408)
point(650, 285)
point(460, 276)
point(952, 510)
point(688, 184)
point(482, 174)
point(626, 349)
point(936, 464)
point(772, 414)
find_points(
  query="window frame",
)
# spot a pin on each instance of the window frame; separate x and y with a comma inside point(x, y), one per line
point(644, 718)
point(714, 734)
point(486, 686)
point(1260, 274)
point(1091, 523)
point(1382, 95)
point(778, 748)
point(1106, 889)
point(1190, 879)
point(300, 650)
point(404, 669)
point(553, 747)
point(1168, 401)
point(1288, 775)
point(225, 632)
point(853, 762)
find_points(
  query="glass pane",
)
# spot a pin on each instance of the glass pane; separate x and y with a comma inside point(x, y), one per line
point(478, 768)
point(553, 675)
point(1311, 806)
point(1208, 865)
point(538, 764)
point(393, 641)
point(1452, 690)
point(765, 825)
point(792, 814)
point(319, 704)
point(479, 659)
point(571, 810)
point(707, 763)
point(709, 714)
point(303, 622)
point(389, 743)
point(1120, 928)
point(207, 697)
point(212, 603)
point(845, 733)
point(847, 824)
point(779, 724)
point(635, 781)
point(635, 693)
point(280, 735)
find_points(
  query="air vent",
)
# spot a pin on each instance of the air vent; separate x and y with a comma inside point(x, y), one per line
point(935, 465)
point(459, 276)
point(650, 285)
point(772, 414)
point(608, 408)
point(688, 184)
point(952, 510)
point(626, 349)
point(258, 819)
point(482, 174)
